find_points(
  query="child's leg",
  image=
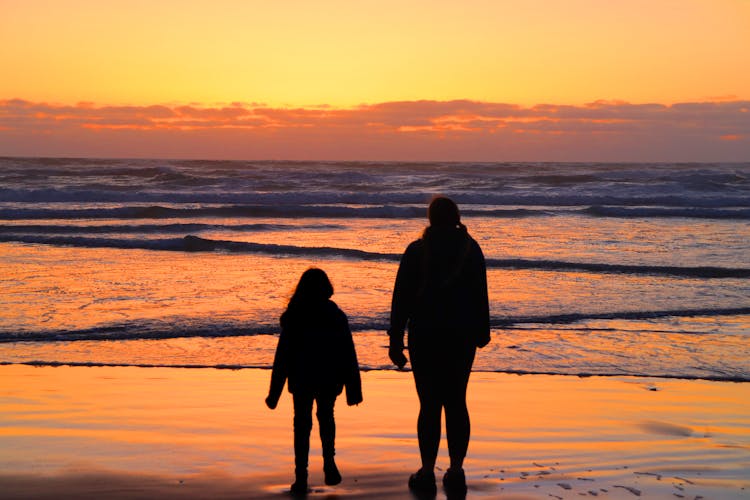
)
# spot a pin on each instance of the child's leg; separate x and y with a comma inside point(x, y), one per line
point(302, 427)
point(327, 424)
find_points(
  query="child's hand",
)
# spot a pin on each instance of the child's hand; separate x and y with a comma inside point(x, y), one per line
point(396, 353)
point(271, 402)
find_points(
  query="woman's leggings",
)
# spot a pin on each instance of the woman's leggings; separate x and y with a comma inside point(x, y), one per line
point(441, 364)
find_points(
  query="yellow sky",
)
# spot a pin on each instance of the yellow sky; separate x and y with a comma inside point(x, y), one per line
point(344, 53)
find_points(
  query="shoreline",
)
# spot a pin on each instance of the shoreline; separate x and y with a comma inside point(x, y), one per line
point(92, 364)
point(126, 432)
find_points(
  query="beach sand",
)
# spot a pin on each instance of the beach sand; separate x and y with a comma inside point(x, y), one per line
point(124, 432)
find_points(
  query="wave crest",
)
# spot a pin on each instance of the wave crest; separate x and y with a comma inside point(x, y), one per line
point(183, 327)
point(191, 243)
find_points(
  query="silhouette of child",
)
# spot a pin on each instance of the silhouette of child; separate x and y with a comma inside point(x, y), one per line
point(316, 356)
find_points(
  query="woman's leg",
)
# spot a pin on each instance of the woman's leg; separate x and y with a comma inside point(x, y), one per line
point(457, 422)
point(429, 422)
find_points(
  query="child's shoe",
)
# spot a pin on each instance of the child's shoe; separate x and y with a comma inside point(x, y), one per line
point(333, 476)
point(299, 488)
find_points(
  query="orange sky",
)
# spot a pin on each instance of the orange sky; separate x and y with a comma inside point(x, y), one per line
point(349, 56)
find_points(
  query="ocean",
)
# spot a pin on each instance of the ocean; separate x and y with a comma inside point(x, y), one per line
point(593, 268)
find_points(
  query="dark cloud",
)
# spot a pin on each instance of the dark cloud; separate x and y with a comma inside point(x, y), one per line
point(458, 129)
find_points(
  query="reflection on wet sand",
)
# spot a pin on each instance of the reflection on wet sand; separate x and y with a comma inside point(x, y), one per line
point(134, 432)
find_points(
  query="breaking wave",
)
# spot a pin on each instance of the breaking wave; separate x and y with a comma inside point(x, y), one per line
point(179, 328)
point(193, 243)
point(361, 210)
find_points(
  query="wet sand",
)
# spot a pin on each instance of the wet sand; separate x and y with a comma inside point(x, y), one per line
point(112, 432)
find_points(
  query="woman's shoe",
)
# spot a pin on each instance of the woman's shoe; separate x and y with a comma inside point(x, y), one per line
point(454, 482)
point(423, 483)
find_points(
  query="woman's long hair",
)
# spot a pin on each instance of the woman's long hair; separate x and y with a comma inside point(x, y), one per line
point(443, 215)
point(313, 288)
point(447, 244)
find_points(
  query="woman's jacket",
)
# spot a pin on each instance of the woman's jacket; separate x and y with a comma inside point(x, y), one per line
point(442, 285)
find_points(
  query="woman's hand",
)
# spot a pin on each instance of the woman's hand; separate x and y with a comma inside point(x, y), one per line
point(396, 353)
point(271, 402)
point(483, 341)
point(354, 401)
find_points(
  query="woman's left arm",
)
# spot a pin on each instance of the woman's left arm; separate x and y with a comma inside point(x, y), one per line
point(483, 301)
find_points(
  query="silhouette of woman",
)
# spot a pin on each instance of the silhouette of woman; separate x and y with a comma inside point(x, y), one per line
point(316, 355)
point(441, 292)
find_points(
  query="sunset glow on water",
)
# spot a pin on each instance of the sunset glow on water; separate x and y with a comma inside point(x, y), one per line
point(641, 273)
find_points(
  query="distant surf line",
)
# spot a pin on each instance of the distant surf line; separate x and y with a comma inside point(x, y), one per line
point(337, 210)
point(179, 228)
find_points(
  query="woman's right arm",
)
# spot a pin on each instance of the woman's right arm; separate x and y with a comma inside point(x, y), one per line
point(402, 303)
